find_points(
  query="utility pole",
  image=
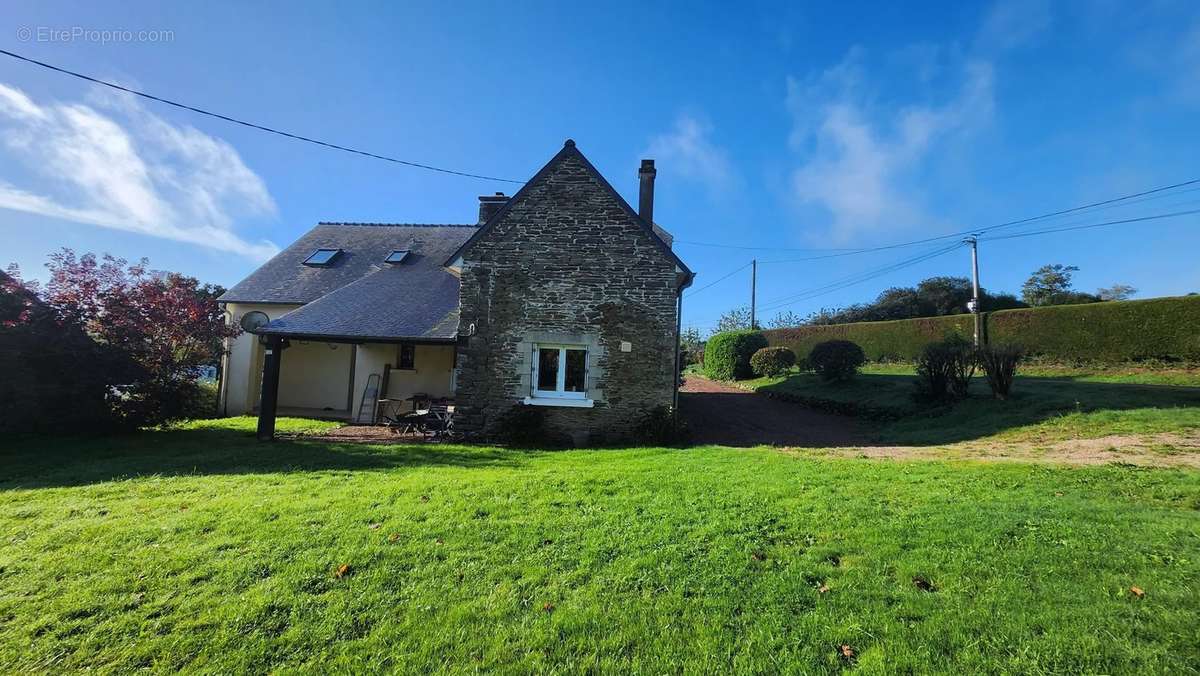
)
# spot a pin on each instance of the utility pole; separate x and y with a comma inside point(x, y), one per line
point(974, 304)
point(753, 290)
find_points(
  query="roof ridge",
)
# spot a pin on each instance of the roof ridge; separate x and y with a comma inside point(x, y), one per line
point(401, 225)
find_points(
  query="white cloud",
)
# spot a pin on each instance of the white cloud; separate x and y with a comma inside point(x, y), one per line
point(859, 152)
point(688, 150)
point(1013, 23)
point(116, 165)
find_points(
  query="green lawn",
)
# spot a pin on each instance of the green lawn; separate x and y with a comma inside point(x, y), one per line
point(200, 549)
point(1048, 404)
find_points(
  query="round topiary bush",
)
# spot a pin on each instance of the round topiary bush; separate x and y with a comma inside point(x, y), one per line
point(727, 355)
point(772, 361)
point(836, 359)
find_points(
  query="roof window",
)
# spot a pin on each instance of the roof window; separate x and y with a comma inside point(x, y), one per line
point(396, 256)
point(322, 257)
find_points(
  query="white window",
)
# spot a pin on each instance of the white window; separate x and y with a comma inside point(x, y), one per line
point(559, 374)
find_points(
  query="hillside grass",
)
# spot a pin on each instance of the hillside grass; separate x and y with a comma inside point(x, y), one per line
point(1048, 403)
point(199, 549)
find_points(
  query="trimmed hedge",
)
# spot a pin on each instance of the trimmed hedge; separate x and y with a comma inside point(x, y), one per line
point(901, 339)
point(772, 361)
point(1109, 332)
point(727, 355)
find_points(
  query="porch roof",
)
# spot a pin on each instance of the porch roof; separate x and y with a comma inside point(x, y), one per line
point(402, 302)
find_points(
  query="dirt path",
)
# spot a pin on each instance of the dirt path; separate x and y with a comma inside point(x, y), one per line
point(730, 416)
point(718, 413)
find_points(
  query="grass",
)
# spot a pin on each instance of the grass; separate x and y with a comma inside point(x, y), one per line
point(199, 549)
point(1049, 403)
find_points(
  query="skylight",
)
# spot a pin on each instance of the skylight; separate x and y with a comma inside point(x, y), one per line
point(396, 256)
point(322, 257)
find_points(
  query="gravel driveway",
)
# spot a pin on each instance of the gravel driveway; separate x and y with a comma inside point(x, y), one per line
point(723, 414)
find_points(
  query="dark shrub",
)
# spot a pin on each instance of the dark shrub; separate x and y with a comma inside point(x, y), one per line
point(945, 369)
point(727, 355)
point(661, 427)
point(999, 363)
point(933, 373)
point(772, 361)
point(960, 353)
point(836, 359)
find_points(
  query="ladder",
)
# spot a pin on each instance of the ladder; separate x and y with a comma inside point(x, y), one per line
point(370, 400)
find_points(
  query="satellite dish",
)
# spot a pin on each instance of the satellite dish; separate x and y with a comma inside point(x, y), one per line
point(254, 320)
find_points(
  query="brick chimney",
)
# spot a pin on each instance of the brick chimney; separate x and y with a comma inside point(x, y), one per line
point(646, 191)
point(489, 205)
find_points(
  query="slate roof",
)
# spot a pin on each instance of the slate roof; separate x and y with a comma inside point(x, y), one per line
point(660, 237)
point(358, 296)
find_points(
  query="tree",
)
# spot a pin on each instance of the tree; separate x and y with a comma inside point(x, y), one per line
point(737, 318)
point(56, 379)
point(1116, 292)
point(691, 346)
point(785, 320)
point(167, 324)
point(945, 295)
point(1051, 285)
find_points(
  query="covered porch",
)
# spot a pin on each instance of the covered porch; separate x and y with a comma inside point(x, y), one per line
point(355, 382)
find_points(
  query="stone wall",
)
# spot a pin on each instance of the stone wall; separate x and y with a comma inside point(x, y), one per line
point(567, 263)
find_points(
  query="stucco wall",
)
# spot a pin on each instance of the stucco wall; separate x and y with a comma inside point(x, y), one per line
point(316, 376)
point(567, 260)
point(242, 374)
point(432, 372)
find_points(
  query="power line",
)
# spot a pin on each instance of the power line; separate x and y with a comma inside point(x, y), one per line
point(757, 248)
point(1102, 204)
point(856, 279)
point(252, 125)
point(1094, 225)
point(862, 277)
point(718, 281)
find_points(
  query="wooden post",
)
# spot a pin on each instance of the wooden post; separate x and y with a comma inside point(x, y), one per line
point(270, 389)
point(753, 293)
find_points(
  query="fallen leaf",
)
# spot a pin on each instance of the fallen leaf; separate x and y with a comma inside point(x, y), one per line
point(549, 607)
point(846, 652)
point(393, 537)
point(1058, 493)
point(342, 571)
point(375, 526)
point(923, 584)
point(759, 556)
point(1138, 592)
point(823, 589)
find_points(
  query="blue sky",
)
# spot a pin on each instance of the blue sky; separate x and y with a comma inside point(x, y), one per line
point(773, 125)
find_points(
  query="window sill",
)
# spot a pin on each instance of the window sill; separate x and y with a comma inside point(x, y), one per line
point(553, 401)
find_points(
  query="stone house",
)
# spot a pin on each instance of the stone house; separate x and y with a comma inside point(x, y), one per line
point(560, 297)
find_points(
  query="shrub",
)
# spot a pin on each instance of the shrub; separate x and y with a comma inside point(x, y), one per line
point(727, 355)
point(772, 361)
point(661, 427)
point(933, 374)
point(836, 359)
point(1000, 365)
point(944, 369)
